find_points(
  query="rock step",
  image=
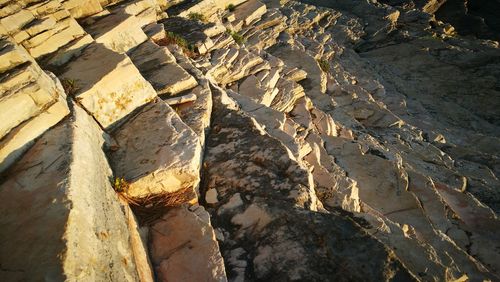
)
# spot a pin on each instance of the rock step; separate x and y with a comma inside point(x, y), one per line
point(96, 79)
point(159, 67)
point(156, 152)
point(195, 114)
point(117, 30)
point(195, 33)
point(183, 247)
point(31, 101)
point(208, 8)
point(248, 12)
point(60, 194)
point(256, 208)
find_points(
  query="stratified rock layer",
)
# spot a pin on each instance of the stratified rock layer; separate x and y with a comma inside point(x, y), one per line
point(338, 141)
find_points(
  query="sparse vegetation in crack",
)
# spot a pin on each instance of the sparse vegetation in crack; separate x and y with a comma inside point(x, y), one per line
point(70, 86)
point(197, 17)
point(237, 37)
point(177, 39)
point(324, 65)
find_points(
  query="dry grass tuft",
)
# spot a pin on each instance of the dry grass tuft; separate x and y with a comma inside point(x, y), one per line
point(176, 39)
point(152, 207)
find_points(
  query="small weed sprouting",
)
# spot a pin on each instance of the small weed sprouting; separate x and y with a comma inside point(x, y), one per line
point(70, 86)
point(238, 38)
point(197, 17)
point(121, 185)
point(174, 38)
point(231, 8)
point(324, 65)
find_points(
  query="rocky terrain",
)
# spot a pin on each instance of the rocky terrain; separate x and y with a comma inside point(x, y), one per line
point(249, 140)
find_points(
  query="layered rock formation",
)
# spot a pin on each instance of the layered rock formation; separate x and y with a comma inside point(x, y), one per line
point(247, 140)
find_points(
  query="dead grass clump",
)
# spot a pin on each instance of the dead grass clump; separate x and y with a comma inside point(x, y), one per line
point(176, 39)
point(152, 207)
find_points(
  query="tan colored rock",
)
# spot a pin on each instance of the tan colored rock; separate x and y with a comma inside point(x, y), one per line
point(26, 91)
point(69, 51)
point(249, 11)
point(184, 248)
point(156, 152)
point(181, 99)
point(252, 88)
point(289, 93)
point(159, 67)
point(155, 31)
point(20, 36)
point(16, 21)
point(138, 243)
point(60, 194)
point(40, 26)
point(21, 138)
point(80, 9)
point(98, 74)
point(209, 7)
point(118, 31)
point(45, 8)
point(58, 39)
point(11, 55)
point(198, 113)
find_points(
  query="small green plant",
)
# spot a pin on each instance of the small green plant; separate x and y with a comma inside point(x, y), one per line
point(174, 38)
point(70, 86)
point(324, 65)
point(238, 38)
point(197, 17)
point(121, 185)
point(231, 7)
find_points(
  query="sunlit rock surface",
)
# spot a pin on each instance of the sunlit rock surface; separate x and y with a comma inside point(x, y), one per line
point(257, 140)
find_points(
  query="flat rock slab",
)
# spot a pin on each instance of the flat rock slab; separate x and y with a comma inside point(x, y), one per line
point(26, 91)
point(14, 144)
point(118, 31)
point(159, 67)
point(61, 219)
point(275, 232)
point(156, 152)
point(190, 30)
point(183, 247)
point(99, 75)
point(249, 12)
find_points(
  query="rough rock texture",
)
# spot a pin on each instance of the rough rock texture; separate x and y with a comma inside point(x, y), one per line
point(156, 152)
point(61, 217)
point(318, 140)
point(184, 247)
point(97, 75)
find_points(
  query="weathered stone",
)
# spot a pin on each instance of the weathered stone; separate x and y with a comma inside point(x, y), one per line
point(80, 9)
point(11, 55)
point(278, 223)
point(26, 91)
point(156, 152)
point(249, 12)
point(118, 31)
point(40, 26)
point(19, 139)
point(57, 40)
point(181, 99)
point(207, 7)
point(98, 77)
point(155, 31)
point(17, 21)
point(183, 247)
point(69, 51)
point(60, 194)
point(159, 67)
